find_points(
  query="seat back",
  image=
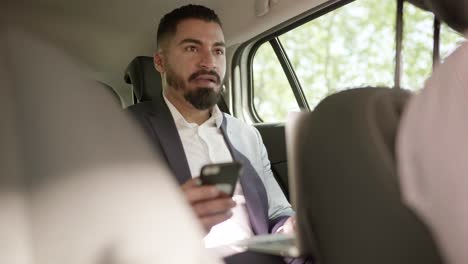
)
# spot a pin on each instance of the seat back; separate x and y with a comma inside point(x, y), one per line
point(354, 212)
point(273, 136)
point(146, 81)
point(79, 183)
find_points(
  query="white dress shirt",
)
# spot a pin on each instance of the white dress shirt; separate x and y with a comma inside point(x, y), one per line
point(204, 144)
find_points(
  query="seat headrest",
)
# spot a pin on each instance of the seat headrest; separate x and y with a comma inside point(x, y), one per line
point(144, 78)
point(452, 12)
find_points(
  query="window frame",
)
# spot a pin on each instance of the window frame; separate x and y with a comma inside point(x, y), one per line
point(288, 70)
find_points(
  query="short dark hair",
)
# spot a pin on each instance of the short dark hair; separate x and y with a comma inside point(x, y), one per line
point(168, 24)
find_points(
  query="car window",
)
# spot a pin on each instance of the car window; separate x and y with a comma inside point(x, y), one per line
point(273, 97)
point(449, 41)
point(353, 45)
point(418, 45)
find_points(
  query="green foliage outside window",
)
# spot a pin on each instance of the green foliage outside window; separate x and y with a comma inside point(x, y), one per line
point(449, 41)
point(350, 47)
point(353, 46)
point(418, 43)
point(273, 97)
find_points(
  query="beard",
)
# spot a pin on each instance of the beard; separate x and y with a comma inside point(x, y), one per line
point(202, 98)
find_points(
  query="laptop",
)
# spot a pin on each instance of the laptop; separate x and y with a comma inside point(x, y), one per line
point(284, 244)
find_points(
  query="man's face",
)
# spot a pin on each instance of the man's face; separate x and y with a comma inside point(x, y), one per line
point(194, 63)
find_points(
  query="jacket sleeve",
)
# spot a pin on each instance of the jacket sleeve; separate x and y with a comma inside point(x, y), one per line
point(279, 209)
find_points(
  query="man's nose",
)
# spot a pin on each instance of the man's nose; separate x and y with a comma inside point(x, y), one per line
point(208, 60)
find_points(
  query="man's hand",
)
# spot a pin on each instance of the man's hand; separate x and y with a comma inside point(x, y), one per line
point(289, 226)
point(209, 204)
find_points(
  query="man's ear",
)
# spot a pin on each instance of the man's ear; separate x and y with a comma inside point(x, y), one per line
point(158, 61)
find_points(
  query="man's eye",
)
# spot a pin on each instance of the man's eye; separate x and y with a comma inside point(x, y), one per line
point(219, 52)
point(191, 48)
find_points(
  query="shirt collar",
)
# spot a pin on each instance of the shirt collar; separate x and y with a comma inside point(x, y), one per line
point(216, 118)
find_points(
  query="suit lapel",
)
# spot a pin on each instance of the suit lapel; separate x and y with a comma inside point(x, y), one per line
point(252, 187)
point(170, 141)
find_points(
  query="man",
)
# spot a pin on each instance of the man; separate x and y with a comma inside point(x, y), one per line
point(188, 125)
point(432, 147)
point(432, 151)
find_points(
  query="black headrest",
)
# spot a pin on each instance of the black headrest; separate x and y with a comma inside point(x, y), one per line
point(144, 78)
point(452, 12)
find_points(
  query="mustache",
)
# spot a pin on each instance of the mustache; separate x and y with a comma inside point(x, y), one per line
point(205, 72)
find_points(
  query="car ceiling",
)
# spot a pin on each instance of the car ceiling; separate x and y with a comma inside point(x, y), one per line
point(105, 35)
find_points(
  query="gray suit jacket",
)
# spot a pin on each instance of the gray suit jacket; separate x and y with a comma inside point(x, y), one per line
point(266, 204)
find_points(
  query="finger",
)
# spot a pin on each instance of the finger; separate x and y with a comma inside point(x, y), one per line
point(195, 182)
point(209, 221)
point(199, 194)
point(211, 207)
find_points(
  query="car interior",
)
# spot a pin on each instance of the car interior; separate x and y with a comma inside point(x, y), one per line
point(353, 130)
point(111, 39)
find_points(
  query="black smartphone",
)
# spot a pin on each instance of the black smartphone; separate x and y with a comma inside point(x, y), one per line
point(223, 175)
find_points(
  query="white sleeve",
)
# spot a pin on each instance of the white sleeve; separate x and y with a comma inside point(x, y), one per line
point(278, 205)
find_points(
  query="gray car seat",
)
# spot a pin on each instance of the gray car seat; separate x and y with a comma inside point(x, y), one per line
point(354, 212)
